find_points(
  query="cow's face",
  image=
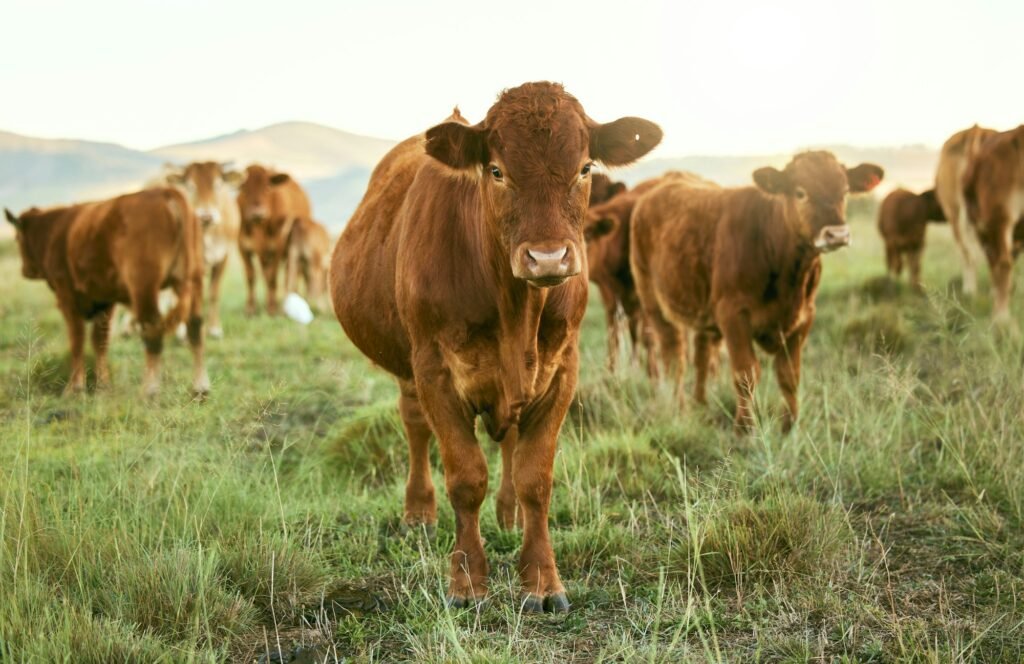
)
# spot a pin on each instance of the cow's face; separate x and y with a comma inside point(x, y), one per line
point(205, 184)
point(255, 192)
point(815, 185)
point(932, 209)
point(30, 266)
point(532, 158)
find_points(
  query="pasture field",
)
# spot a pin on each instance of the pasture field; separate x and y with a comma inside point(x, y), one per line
point(889, 526)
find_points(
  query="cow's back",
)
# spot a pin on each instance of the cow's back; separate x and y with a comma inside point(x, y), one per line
point(289, 201)
point(953, 159)
point(363, 265)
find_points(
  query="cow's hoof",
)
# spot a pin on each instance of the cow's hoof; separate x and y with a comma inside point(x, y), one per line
point(456, 602)
point(533, 603)
point(557, 603)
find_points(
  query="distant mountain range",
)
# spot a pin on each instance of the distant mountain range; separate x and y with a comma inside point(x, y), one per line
point(333, 165)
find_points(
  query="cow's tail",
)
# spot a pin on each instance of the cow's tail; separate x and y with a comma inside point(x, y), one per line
point(190, 255)
point(969, 187)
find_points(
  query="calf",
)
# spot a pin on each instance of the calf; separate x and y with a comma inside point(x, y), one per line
point(309, 249)
point(123, 250)
point(743, 265)
point(956, 153)
point(208, 187)
point(270, 203)
point(462, 274)
point(902, 220)
point(993, 188)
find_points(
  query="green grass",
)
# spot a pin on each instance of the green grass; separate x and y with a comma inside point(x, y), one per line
point(887, 527)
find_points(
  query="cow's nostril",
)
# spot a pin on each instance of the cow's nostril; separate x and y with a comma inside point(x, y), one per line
point(538, 256)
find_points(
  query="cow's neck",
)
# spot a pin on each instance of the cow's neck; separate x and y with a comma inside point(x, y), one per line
point(792, 250)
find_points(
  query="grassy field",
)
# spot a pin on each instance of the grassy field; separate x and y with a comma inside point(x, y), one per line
point(887, 527)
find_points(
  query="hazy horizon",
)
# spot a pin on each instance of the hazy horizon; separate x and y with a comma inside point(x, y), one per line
point(730, 79)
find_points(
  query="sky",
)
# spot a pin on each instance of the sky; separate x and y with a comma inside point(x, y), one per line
point(719, 76)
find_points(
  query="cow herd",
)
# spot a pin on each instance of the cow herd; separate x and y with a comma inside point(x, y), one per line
point(463, 273)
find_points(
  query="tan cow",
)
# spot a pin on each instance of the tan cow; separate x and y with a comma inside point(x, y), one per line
point(741, 264)
point(122, 250)
point(955, 155)
point(309, 256)
point(208, 186)
point(270, 203)
point(993, 187)
point(462, 274)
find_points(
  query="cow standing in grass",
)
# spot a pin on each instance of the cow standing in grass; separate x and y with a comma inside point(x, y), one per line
point(902, 220)
point(462, 273)
point(741, 264)
point(270, 203)
point(208, 186)
point(309, 257)
point(122, 250)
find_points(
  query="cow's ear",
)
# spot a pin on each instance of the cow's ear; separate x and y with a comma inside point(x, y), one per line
point(457, 145)
point(864, 177)
point(623, 141)
point(11, 217)
point(233, 178)
point(599, 228)
point(279, 178)
point(616, 189)
point(771, 180)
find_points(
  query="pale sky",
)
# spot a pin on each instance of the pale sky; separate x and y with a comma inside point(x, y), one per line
point(721, 77)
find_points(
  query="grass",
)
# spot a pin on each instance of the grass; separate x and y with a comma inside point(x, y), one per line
point(886, 527)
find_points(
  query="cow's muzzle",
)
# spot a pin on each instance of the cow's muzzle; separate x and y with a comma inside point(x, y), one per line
point(833, 237)
point(546, 264)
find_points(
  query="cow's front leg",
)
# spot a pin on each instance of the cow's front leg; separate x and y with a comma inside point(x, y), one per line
point(465, 476)
point(250, 283)
point(746, 371)
point(533, 469)
point(76, 335)
point(787, 372)
point(271, 264)
point(420, 507)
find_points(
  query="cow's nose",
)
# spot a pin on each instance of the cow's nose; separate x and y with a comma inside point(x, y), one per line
point(546, 264)
point(834, 237)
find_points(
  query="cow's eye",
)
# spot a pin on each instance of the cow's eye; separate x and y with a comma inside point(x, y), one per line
point(586, 170)
point(800, 193)
point(496, 172)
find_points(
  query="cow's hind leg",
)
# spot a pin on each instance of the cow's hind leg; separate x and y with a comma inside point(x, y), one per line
point(216, 275)
point(76, 335)
point(705, 357)
point(914, 264)
point(194, 326)
point(101, 325)
point(998, 250)
point(250, 283)
point(420, 505)
point(787, 373)
point(509, 514)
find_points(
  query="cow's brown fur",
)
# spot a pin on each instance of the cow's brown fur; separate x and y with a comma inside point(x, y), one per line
point(208, 185)
point(123, 250)
point(743, 265)
point(269, 202)
point(603, 188)
point(903, 220)
point(607, 233)
point(461, 273)
point(993, 187)
point(309, 256)
point(956, 154)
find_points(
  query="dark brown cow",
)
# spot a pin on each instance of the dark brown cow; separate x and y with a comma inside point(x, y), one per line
point(309, 255)
point(270, 203)
point(607, 234)
point(602, 188)
point(993, 187)
point(461, 273)
point(902, 220)
point(123, 250)
point(743, 265)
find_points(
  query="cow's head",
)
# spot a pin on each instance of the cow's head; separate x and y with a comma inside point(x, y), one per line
point(932, 209)
point(815, 186)
point(255, 192)
point(205, 183)
point(531, 158)
point(31, 261)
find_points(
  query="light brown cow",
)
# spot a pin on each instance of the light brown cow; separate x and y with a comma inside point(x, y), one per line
point(462, 274)
point(270, 203)
point(956, 154)
point(122, 250)
point(607, 234)
point(993, 187)
point(902, 220)
point(309, 256)
point(743, 265)
point(208, 186)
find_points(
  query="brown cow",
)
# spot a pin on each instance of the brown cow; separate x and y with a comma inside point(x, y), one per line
point(602, 188)
point(208, 187)
point(461, 273)
point(956, 154)
point(993, 188)
point(902, 220)
point(607, 234)
point(270, 203)
point(125, 250)
point(309, 256)
point(742, 264)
